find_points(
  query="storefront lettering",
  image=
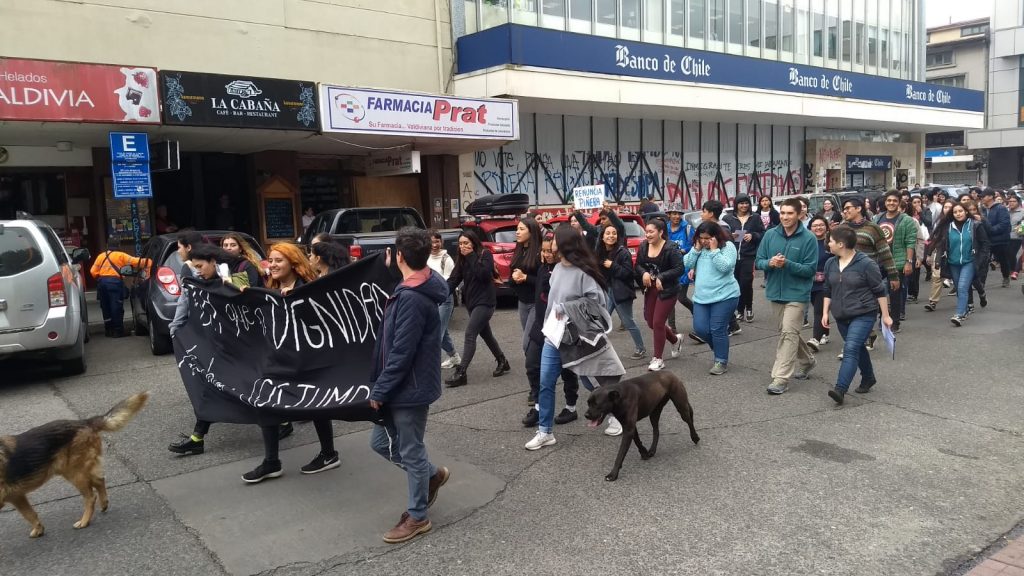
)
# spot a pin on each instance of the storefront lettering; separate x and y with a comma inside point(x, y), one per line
point(943, 97)
point(46, 97)
point(623, 59)
point(467, 114)
point(842, 84)
point(798, 79)
point(249, 105)
point(919, 95)
point(696, 67)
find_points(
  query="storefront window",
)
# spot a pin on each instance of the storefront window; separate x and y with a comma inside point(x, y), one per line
point(832, 30)
point(717, 16)
point(753, 24)
point(630, 19)
point(581, 13)
point(553, 15)
point(607, 17)
point(847, 44)
point(676, 12)
point(818, 20)
point(771, 25)
point(787, 25)
point(654, 21)
point(803, 30)
point(698, 16)
point(736, 23)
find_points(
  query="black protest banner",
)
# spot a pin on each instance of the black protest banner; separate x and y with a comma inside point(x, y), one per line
point(259, 357)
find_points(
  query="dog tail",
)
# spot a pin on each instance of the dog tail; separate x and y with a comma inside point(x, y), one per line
point(119, 416)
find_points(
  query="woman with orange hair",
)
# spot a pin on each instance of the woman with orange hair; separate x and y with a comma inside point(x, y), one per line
point(289, 269)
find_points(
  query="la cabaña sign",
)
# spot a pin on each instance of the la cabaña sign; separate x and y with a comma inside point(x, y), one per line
point(403, 113)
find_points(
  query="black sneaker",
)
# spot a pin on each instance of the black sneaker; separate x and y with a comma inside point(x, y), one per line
point(531, 398)
point(285, 430)
point(565, 416)
point(321, 463)
point(531, 419)
point(984, 299)
point(930, 306)
point(266, 469)
point(836, 395)
point(696, 338)
point(502, 367)
point(734, 330)
point(865, 387)
point(187, 446)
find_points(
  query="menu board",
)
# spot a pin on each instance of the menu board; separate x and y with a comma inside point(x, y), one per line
point(279, 218)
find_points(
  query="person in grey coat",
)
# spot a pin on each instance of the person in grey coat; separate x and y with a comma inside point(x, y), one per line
point(576, 277)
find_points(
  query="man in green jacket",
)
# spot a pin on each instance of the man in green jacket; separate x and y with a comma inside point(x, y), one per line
point(788, 254)
point(900, 232)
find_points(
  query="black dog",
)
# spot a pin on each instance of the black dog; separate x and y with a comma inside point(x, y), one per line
point(635, 399)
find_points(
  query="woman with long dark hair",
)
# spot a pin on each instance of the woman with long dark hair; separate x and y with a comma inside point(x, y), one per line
point(327, 257)
point(617, 266)
point(474, 268)
point(958, 242)
point(576, 282)
point(524, 265)
point(716, 290)
point(767, 213)
point(658, 268)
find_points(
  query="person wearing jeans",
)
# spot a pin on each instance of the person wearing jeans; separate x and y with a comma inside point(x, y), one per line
point(716, 290)
point(442, 263)
point(617, 267)
point(406, 380)
point(959, 241)
point(855, 293)
point(819, 226)
point(523, 277)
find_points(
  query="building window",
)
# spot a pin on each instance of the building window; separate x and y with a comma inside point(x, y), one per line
point(939, 59)
point(954, 81)
point(974, 30)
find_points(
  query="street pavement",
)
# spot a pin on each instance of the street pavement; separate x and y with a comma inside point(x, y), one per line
point(916, 478)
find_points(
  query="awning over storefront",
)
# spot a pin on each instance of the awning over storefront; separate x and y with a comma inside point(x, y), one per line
point(565, 73)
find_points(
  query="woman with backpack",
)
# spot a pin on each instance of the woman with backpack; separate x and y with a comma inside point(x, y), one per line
point(247, 261)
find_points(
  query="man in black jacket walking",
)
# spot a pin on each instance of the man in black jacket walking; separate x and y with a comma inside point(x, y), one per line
point(998, 218)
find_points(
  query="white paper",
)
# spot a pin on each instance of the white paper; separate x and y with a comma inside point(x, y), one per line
point(890, 340)
point(223, 271)
point(554, 328)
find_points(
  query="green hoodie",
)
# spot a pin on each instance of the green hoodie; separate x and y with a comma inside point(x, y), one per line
point(904, 236)
point(792, 282)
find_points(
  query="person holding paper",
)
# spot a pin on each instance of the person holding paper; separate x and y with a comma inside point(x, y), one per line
point(747, 231)
point(855, 293)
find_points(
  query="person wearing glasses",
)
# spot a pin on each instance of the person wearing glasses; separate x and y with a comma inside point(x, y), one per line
point(871, 241)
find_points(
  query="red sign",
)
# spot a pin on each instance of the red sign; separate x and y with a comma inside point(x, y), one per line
point(66, 91)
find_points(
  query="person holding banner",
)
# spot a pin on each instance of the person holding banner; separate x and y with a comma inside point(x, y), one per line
point(607, 217)
point(406, 379)
point(289, 269)
point(475, 269)
point(248, 261)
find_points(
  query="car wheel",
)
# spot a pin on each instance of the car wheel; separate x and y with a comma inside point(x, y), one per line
point(158, 345)
point(76, 365)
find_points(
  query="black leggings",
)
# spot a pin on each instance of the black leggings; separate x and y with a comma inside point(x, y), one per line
point(1001, 254)
point(202, 428)
point(272, 439)
point(479, 325)
point(744, 273)
point(818, 300)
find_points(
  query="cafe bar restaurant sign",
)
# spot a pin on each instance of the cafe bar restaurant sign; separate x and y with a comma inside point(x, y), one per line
point(48, 91)
point(194, 99)
point(414, 114)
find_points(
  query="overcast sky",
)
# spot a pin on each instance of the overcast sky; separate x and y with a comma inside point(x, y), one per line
point(939, 12)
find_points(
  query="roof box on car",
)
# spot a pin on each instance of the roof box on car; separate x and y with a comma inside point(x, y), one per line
point(499, 204)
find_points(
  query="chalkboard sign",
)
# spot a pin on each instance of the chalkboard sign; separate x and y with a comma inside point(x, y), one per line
point(279, 216)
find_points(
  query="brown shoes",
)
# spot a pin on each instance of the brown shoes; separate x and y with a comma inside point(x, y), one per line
point(407, 529)
point(436, 481)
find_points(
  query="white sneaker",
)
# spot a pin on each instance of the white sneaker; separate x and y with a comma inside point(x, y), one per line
point(655, 365)
point(541, 440)
point(677, 346)
point(814, 344)
point(613, 429)
point(448, 362)
point(823, 340)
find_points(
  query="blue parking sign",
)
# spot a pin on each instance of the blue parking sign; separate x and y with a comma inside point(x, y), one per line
point(129, 165)
point(129, 147)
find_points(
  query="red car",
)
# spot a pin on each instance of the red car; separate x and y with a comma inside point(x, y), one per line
point(634, 224)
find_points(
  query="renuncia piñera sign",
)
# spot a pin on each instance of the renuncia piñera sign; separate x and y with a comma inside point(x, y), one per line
point(406, 113)
point(513, 44)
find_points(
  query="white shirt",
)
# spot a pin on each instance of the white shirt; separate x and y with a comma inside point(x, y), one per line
point(442, 263)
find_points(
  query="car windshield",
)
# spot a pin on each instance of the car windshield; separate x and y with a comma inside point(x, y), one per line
point(372, 220)
point(18, 251)
point(633, 229)
point(504, 235)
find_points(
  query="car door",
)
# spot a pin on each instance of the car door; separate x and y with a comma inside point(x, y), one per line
point(144, 283)
point(24, 271)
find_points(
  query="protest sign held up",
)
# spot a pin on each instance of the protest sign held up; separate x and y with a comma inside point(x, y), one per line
point(588, 197)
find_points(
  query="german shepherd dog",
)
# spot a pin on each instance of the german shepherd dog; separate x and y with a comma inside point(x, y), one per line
point(635, 399)
point(69, 448)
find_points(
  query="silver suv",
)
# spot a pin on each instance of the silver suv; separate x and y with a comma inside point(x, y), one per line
point(42, 301)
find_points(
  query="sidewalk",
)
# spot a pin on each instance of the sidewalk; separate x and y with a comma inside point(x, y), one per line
point(1008, 561)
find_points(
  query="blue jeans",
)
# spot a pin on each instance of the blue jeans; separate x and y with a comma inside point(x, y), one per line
point(855, 333)
point(711, 323)
point(550, 368)
point(110, 292)
point(400, 440)
point(625, 310)
point(445, 311)
point(963, 275)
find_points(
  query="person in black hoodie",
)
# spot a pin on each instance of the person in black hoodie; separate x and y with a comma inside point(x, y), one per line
point(474, 268)
point(747, 230)
point(606, 217)
point(617, 267)
point(549, 258)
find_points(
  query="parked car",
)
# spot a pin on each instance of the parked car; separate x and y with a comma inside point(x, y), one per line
point(634, 224)
point(367, 231)
point(42, 299)
point(154, 293)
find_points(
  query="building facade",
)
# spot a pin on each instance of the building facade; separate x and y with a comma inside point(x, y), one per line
point(695, 99)
point(956, 55)
point(240, 86)
point(1003, 135)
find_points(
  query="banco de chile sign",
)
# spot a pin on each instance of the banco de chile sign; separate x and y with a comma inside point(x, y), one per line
point(519, 45)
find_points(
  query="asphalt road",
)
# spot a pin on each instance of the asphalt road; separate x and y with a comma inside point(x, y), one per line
point(914, 478)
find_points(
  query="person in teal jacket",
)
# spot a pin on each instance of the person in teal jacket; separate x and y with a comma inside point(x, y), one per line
point(788, 254)
point(716, 291)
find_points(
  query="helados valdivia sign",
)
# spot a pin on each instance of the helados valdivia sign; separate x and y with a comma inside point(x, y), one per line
point(194, 99)
point(517, 45)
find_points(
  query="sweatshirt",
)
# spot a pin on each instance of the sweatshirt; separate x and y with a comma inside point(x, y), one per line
point(855, 290)
point(792, 282)
point(903, 236)
point(715, 280)
point(871, 241)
